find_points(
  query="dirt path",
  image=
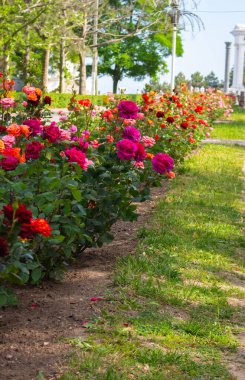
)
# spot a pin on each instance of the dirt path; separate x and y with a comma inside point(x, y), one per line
point(31, 334)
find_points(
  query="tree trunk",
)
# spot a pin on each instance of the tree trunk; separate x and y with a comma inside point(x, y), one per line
point(115, 83)
point(6, 61)
point(61, 66)
point(83, 73)
point(26, 64)
point(46, 56)
point(27, 57)
point(82, 57)
point(95, 50)
point(117, 75)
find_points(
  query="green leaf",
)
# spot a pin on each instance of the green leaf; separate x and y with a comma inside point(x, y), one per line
point(76, 194)
point(36, 275)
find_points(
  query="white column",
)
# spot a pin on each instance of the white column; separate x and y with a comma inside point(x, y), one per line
point(227, 66)
point(239, 34)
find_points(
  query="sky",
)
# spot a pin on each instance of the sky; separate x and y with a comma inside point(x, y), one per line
point(204, 50)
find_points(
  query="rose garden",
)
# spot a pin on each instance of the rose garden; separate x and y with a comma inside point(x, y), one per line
point(121, 216)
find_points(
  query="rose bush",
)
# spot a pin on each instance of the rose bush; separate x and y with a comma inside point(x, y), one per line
point(63, 185)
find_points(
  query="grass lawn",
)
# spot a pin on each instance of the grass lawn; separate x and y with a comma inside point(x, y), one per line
point(235, 131)
point(172, 315)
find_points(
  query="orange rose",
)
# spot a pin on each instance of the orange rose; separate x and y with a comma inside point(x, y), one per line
point(110, 138)
point(41, 226)
point(171, 175)
point(32, 96)
point(13, 152)
point(1, 146)
point(149, 156)
point(22, 158)
point(25, 130)
point(14, 130)
point(38, 92)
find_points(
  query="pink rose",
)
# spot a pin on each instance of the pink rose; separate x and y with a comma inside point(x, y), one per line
point(162, 163)
point(129, 121)
point(28, 90)
point(88, 163)
point(75, 155)
point(131, 133)
point(139, 164)
point(73, 129)
point(128, 109)
point(148, 142)
point(95, 144)
point(85, 134)
point(7, 102)
point(83, 145)
point(140, 116)
point(65, 135)
point(126, 149)
point(9, 141)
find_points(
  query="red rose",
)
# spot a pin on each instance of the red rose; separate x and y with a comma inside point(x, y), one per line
point(22, 214)
point(3, 128)
point(140, 153)
point(26, 231)
point(3, 247)
point(170, 119)
point(184, 124)
point(47, 100)
point(160, 114)
point(33, 149)
point(85, 102)
point(51, 133)
point(9, 163)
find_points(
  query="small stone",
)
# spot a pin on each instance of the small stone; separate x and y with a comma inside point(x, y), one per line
point(9, 357)
point(45, 343)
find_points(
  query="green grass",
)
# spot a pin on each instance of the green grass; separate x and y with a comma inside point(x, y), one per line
point(235, 131)
point(169, 318)
point(62, 100)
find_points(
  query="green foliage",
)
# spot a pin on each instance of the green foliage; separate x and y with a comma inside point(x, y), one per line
point(62, 100)
point(180, 79)
point(136, 57)
point(197, 79)
point(211, 80)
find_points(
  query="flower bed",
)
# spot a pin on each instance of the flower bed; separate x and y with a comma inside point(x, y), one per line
point(63, 185)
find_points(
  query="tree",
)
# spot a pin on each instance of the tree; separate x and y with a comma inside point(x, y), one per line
point(135, 57)
point(211, 80)
point(197, 79)
point(180, 78)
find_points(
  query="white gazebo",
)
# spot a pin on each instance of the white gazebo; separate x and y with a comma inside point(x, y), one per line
point(239, 35)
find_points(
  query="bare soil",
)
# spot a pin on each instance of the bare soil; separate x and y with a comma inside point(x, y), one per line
point(31, 333)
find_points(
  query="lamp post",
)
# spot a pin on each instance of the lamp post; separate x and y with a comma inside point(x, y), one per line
point(174, 20)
